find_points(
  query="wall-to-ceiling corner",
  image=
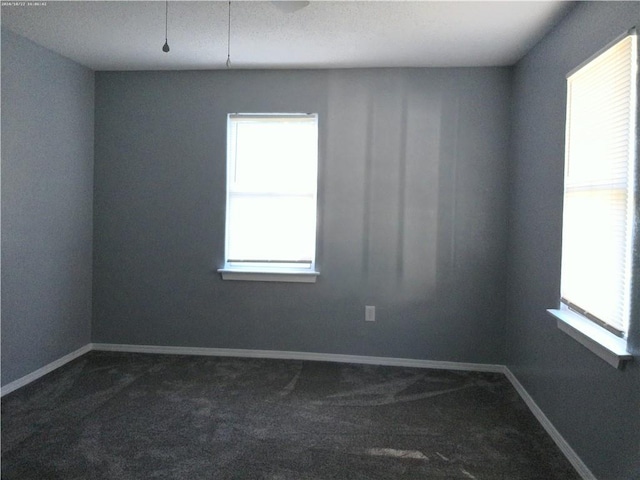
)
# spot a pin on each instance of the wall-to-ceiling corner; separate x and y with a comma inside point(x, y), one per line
point(47, 190)
point(595, 407)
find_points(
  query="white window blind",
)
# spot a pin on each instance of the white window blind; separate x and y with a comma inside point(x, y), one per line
point(272, 165)
point(599, 187)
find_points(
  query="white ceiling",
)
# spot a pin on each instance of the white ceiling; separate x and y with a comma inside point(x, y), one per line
point(128, 35)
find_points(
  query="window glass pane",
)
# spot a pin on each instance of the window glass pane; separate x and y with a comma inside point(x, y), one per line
point(271, 228)
point(275, 157)
point(592, 258)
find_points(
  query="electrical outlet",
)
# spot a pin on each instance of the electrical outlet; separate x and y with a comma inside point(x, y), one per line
point(370, 313)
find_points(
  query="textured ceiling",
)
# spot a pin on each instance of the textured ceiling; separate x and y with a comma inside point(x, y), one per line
point(128, 35)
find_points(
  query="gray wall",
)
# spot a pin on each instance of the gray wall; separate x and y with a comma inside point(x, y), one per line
point(412, 212)
point(595, 407)
point(47, 181)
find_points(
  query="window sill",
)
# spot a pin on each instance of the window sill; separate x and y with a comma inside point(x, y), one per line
point(607, 346)
point(269, 275)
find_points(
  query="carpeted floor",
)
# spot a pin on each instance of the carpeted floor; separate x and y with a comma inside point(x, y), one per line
point(134, 416)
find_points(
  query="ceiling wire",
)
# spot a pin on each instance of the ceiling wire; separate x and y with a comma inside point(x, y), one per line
point(165, 47)
point(229, 38)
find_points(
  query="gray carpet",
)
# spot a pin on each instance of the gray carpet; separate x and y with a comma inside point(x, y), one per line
point(134, 416)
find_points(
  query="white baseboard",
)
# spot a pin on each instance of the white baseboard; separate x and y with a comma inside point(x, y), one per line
point(562, 444)
point(21, 382)
point(286, 355)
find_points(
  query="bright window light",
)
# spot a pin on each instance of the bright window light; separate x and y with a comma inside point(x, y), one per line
point(599, 187)
point(272, 170)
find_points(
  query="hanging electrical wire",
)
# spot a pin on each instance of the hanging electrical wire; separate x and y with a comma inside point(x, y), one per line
point(165, 47)
point(229, 37)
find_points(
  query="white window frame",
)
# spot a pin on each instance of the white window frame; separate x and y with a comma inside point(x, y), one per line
point(264, 269)
point(580, 325)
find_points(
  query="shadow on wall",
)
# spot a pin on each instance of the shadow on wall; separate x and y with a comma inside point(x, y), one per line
point(413, 193)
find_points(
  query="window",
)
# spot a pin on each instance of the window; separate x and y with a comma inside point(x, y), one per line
point(599, 188)
point(272, 166)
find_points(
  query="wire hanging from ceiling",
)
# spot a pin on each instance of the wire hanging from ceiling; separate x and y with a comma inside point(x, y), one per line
point(229, 37)
point(165, 47)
